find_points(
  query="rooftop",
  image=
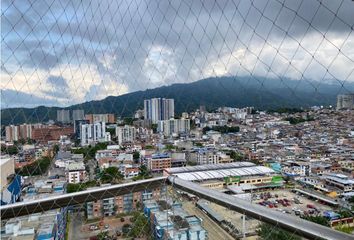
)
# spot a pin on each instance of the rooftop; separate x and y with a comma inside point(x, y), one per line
point(221, 173)
point(208, 167)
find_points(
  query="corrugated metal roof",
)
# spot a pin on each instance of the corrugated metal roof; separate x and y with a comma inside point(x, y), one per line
point(218, 174)
point(208, 167)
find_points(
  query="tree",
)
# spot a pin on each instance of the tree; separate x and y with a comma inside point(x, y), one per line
point(112, 131)
point(111, 175)
point(126, 228)
point(102, 235)
point(55, 149)
point(318, 219)
point(77, 187)
point(286, 179)
point(267, 231)
point(140, 227)
point(154, 127)
point(136, 155)
point(11, 150)
point(38, 167)
point(236, 156)
point(144, 173)
point(169, 147)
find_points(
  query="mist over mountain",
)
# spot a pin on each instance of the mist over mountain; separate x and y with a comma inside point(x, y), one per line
point(261, 93)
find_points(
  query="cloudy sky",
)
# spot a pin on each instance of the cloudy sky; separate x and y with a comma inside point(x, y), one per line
point(61, 52)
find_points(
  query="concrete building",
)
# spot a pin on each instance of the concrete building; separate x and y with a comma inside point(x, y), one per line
point(77, 127)
point(106, 118)
point(125, 134)
point(122, 204)
point(7, 168)
point(158, 162)
point(63, 116)
point(75, 172)
point(93, 133)
point(345, 101)
point(78, 114)
point(47, 225)
point(169, 221)
point(204, 156)
point(174, 126)
point(139, 114)
point(178, 159)
point(157, 109)
point(15, 133)
point(341, 181)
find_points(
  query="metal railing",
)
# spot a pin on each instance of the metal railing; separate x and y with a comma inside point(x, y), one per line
point(293, 224)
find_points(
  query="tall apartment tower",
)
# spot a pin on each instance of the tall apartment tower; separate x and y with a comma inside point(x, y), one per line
point(345, 101)
point(63, 116)
point(125, 134)
point(93, 133)
point(78, 114)
point(157, 109)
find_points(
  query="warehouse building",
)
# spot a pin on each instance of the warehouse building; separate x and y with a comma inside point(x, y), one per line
point(221, 176)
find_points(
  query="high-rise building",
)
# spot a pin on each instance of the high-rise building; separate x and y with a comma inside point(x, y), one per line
point(106, 118)
point(77, 127)
point(174, 126)
point(93, 133)
point(23, 131)
point(345, 101)
point(157, 109)
point(125, 134)
point(78, 114)
point(63, 116)
point(12, 133)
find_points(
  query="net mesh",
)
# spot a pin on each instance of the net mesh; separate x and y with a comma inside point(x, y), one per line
point(63, 59)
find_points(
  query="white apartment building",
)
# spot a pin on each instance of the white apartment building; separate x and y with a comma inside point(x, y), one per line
point(157, 109)
point(75, 172)
point(211, 157)
point(93, 133)
point(125, 134)
point(174, 126)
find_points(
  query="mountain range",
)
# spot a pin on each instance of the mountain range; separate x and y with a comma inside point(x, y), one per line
point(261, 93)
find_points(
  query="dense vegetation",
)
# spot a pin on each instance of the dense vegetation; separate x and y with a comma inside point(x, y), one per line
point(267, 231)
point(90, 151)
point(297, 120)
point(111, 175)
point(286, 110)
point(211, 92)
point(11, 150)
point(236, 156)
point(144, 173)
point(77, 187)
point(222, 129)
point(38, 167)
point(139, 228)
point(318, 219)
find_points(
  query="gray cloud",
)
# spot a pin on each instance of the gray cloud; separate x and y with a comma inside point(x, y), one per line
point(143, 44)
point(57, 81)
point(59, 87)
point(13, 98)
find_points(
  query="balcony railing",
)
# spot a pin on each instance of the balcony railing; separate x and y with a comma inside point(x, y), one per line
point(292, 224)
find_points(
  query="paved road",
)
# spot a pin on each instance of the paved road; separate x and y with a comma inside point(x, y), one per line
point(214, 230)
point(76, 220)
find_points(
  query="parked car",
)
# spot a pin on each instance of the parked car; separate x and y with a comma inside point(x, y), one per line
point(310, 206)
point(93, 227)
